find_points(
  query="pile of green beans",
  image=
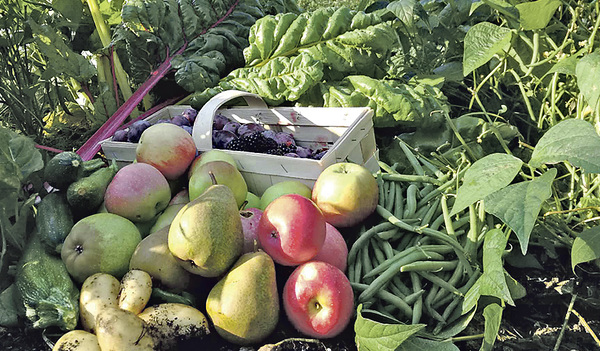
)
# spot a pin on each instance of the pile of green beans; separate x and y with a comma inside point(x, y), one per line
point(417, 263)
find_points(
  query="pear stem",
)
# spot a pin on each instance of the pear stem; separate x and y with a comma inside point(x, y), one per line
point(212, 177)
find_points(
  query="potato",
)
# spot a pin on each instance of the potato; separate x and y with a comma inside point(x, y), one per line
point(120, 330)
point(169, 322)
point(99, 291)
point(136, 288)
point(77, 340)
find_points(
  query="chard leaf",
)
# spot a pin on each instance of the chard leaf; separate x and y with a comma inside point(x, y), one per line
point(536, 14)
point(492, 281)
point(572, 140)
point(586, 247)
point(18, 159)
point(588, 75)
point(492, 314)
point(372, 336)
point(486, 176)
point(404, 10)
point(518, 205)
point(482, 42)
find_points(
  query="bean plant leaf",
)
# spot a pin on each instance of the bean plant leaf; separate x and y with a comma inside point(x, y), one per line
point(492, 281)
point(588, 77)
point(482, 42)
point(567, 65)
point(572, 140)
point(518, 205)
point(416, 343)
point(404, 10)
point(492, 314)
point(536, 14)
point(375, 336)
point(586, 247)
point(486, 176)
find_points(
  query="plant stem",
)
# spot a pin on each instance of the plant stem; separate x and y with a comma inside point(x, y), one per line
point(564, 325)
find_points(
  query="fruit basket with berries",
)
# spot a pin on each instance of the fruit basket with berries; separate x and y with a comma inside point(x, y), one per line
point(274, 144)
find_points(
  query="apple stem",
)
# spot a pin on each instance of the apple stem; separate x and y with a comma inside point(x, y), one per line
point(244, 205)
point(212, 177)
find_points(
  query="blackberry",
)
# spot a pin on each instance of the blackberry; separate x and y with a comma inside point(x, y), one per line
point(275, 151)
point(291, 148)
point(237, 145)
point(258, 143)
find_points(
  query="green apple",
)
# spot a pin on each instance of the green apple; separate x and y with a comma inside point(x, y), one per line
point(225, 174)
point(100, 243)
point(253, 200)
point(208, 156)
point(283, 188)
point(346, 193)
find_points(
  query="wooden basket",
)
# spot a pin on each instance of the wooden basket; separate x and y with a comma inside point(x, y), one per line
point(347, 133)
point(123, 151)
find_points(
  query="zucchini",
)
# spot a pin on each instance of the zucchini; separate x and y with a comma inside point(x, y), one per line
point(45, 289)
point(54, 221)
point(63, 169)
point(86, 195)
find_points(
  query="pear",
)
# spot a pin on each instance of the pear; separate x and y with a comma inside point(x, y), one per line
point(152, 255)
point(244, 304)
point(206, 235)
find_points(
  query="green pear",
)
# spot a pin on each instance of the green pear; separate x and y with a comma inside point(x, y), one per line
point(283, 188)
point(206, 234)
point(152, 255)
point(244, 304)
point(166, 217)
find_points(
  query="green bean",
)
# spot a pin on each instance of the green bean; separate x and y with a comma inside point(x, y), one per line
point(395, 290)
point(440, 282)
point(426, 190)
point(395, 220)
point(454, 280)
point(418, 305)
point(411, 201)
point(444, 186)
point(379, 255)
point(388, 234)
point(378, 283)
point(399, 201)
point(412, 298)
point(399, 284)
point(411, 157)
point(471, 245)
point(420, 213)
point(430, 166)
point(388, 250)
point(406, 239)
point(430, 212)
point(446, 315)
point(366, 261)
point(435, 225)
point(386, 167)
point(386, 296)
point(401, 256)
point(357, 270)
point(428, 306)
point(429, 266)
point(363, 239)
point(375, 312)
point(446, 215)
point(391, 195)
point(350, 273)
point(459, 223)
point(386, 189)
point(410, 178)
point(381, 187)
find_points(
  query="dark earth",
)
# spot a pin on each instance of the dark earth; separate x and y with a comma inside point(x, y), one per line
point(537, 322)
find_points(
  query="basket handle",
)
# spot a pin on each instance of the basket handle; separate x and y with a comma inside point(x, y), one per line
point(202, 131)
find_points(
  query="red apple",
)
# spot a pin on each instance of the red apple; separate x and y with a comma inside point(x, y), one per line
point(334, 250)
point(318, 299)
point(291, 229)
point(250, 218)
point(137, 192)
point(167, 147)
point(347, 193)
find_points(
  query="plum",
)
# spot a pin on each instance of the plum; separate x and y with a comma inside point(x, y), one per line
point(291, 154)
point(248, 128)
point(180, 120)
point(136, 130)
point(318, 154)
point(303, 152)
point(190, 114)
point(162, 120)
point(188, 129)
point(220, 121)
point(269, 134)
point(285, 139)
point(231, 126)
point(221, 138)
point(120, 135)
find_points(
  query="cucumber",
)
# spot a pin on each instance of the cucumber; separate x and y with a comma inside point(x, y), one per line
point(63, 169)
point(54, 221)
point(91, 166)
point(45, 291)
point(86, 195)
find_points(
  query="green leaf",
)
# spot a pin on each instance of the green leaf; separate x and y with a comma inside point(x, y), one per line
point(25, 155)
point(518, 205)
point(404, 10)
point(572, 140)
point(567, 65)
point(482, 42)
point(486, 176)
point(492, 282)
point(588, 77)
point(73, 10)
point(586, 247)
point(492, 314)
point(374, 336)
point(536, 14)
point(415, 343)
